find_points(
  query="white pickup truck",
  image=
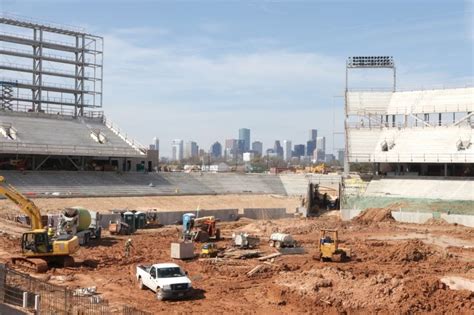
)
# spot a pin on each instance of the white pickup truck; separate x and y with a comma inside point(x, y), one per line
point(168, 280)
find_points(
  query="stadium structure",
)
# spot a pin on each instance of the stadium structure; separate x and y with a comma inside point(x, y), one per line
point(51, 99)
point(418, 143)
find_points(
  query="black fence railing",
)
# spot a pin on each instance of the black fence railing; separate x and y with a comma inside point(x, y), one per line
point(20, 289)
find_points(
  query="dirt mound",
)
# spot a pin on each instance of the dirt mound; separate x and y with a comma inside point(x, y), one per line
point(409, 251)
point(439, 222)
point(375, 215)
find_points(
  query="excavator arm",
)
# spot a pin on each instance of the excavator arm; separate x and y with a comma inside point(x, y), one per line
point(25, 204)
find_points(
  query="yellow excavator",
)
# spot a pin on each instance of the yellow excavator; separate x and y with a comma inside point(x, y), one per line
point(38, 248)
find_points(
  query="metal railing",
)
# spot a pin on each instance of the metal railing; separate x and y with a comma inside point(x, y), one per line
point(411, 158)
point(35, 148)
point(53, 110)
point(115, 129)
point(53, 299)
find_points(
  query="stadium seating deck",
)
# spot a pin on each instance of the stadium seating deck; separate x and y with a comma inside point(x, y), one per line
point(55, 134)
point(63, 183)
point(423, 101)
point(432, 144)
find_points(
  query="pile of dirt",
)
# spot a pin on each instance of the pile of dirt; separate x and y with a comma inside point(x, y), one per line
point(372, 215)
point(439, 222)
point(409, 251)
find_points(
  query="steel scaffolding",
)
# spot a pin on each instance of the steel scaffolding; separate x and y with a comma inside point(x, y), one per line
point(83, 51)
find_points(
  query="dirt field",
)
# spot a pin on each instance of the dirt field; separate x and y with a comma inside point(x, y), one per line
point(162, 203)
point(395, 268)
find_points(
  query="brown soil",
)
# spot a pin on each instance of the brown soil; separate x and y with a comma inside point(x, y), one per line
point(372, 215)
point(387, 276)
point(162, 203)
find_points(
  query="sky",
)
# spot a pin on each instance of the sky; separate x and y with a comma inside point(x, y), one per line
point(200, 70)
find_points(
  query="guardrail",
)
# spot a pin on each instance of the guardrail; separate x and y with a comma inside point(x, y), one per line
point(407, 158)
point(35, 148)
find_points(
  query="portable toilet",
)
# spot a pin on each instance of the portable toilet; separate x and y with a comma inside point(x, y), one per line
point(140, 220)
point(129, 218)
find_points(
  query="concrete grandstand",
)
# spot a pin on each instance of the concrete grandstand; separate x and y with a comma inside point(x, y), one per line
point(418, 146)
point(53, 121)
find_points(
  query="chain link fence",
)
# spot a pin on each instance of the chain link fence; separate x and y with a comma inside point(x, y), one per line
point(22, 290)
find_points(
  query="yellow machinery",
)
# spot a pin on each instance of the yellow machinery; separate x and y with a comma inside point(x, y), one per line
point(38, 248)
point(329, 247)
point(320, 169)
point(209, 250)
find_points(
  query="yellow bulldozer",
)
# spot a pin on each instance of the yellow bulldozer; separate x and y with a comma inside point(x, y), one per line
point(39, 249)
point(329, 249)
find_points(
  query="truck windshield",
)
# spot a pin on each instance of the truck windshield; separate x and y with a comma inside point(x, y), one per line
point(170, 272)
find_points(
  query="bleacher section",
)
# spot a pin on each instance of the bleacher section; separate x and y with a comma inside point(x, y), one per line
point(45, 134)
point(399, 103)
point(411, 145)
point(69, 184)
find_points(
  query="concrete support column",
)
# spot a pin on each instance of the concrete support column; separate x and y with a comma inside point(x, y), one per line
point(445, 169)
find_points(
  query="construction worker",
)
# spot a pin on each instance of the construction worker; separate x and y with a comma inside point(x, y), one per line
point(50, 231)
point(128, 247)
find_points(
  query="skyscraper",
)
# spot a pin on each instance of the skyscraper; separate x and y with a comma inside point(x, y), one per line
point(340, 156)
point(321, 149)
point(321, 143)
point(278, 148)
point(156, 142)
point(216, 150)
point(313, 134)
point(310, 147)
point(287, 150)
point(257, 147)
point(177, 150)
point(299, 150)
point(191, 150)
point(244, 134)
point(231, 148)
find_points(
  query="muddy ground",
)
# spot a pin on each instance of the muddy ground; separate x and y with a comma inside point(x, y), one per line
point(395, 268)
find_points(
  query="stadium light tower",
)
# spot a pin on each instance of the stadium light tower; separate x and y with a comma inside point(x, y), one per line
point(371, 62)
point(364, 62)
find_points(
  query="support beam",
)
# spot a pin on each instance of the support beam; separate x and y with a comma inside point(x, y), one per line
point(463, 119)
point(42, 162)
point(73, 163)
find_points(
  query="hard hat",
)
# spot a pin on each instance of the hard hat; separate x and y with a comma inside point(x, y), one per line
point(129, 240)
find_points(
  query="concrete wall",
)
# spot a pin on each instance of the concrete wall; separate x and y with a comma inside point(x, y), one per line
point(348, 214)
point(172, 217)
point(265, 213)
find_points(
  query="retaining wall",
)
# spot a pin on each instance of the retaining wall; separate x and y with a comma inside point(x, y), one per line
point(265, 213)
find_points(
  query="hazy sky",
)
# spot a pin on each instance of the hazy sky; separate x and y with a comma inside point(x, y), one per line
point(199, 70)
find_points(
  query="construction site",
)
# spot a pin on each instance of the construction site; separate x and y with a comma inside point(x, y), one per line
point(88, 226)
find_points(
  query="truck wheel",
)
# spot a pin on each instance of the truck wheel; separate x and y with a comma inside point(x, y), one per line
point(140, 284)
point(99, 233)
point(86, 239)
point(272, 243)
point(159, 295)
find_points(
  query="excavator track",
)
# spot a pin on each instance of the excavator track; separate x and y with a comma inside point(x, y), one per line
point(30, 264)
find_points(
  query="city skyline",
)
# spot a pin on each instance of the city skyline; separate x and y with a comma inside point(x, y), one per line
point(235, 147)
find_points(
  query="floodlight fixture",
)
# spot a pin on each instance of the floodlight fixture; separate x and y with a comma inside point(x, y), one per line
point(370, 62)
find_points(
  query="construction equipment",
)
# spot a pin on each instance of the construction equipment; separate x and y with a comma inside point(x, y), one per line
point(80, 222)
point(118, 227)
point(279, 240)
point(200, 229)
point(318, 169)
point(39, 250)
point(209, 250)
point(245, 240)
point(329, 247)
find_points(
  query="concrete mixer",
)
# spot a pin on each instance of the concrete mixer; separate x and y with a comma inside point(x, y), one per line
point(80, 222)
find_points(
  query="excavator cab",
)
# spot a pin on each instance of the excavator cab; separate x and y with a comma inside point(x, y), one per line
point(36, 242)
